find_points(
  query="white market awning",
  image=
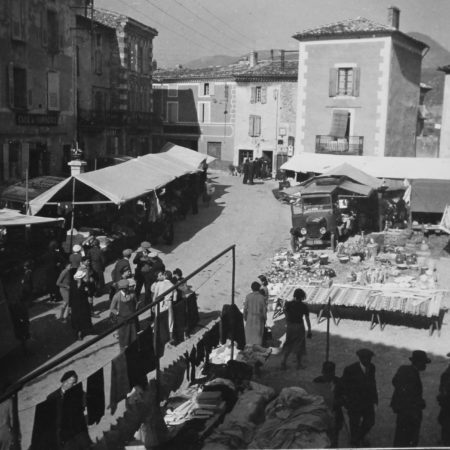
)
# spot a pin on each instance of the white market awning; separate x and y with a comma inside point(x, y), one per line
point(379, 167)
point(11, 218)
point(186, 155)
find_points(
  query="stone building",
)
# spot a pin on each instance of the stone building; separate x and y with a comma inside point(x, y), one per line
point(37, 86)
point(245, 109)
point(114, 79)
point(359, 87)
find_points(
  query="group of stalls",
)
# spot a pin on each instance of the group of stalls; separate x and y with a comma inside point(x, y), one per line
point(123, 204)
point(423, 183)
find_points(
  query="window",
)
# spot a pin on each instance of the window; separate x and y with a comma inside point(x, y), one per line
point(204, 112)
point(17, 20)
point(52, 32)
point(53, 91)
point(172, 112)
point(258, 94)
point(214, 149)
point(206, 89)
point(344, 81)
point(17, 87)
point(98, 54)
point(340, 123)
point(254, 126)
point(140, 59)
point(172, 92)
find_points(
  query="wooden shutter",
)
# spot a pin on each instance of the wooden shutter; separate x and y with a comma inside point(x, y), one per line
point(257, 126)
point(211, 88)
point(332, 89)
point(61, 33)
point(251, 123)
point(53, 91)
point(30, 91)
point(253, 95)
point(339, 123)
point(16, 19)
point(263, 94)
point(44, 28)
point(132, 56)
point(11, 84)
point(98, 58)
point(356, 78)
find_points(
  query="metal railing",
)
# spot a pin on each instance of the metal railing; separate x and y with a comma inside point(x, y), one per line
point(350, 145)
point(12, 391)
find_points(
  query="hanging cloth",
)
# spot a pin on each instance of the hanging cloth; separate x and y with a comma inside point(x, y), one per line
point(45, 436)
point(95, 397)
point(120, 384)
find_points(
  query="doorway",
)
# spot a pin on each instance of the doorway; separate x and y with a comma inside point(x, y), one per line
point(245, 154)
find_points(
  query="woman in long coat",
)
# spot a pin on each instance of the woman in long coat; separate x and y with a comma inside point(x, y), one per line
point(79, 304)
point(122, 306)
point(255, 314)
point(295, 311)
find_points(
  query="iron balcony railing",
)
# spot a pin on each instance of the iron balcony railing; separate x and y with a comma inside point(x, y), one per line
point(102, 118)
point(351, 145)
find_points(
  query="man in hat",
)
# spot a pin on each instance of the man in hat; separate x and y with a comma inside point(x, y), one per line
point(407, 400)
point(95, 255)
point(359, 394)
point(71, 427)
point(443, 399)
point(140, 259)
point(120, 264)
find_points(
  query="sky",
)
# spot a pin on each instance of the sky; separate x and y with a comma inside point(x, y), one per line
point(191, 29)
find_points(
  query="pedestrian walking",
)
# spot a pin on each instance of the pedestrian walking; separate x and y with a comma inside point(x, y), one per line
point(246, 170)
point(79, 304)
point(91, 282)
point(155, 266)
point(443, 399)
point(63, 283)
point(97, 259)
point(360, 396)
point(296, 313)
point(264, 289)
point(139, 260)
point(71, 427)
point(158, 288)
point(122, 306)
point(407, 400)
point(122, 262)
point(251, 171)
point(255, 315)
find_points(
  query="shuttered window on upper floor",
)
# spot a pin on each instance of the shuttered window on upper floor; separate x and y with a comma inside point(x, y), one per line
point(344, 81)
point(258, 94)
point(19, 94)
point(17, 20)
point(254, 128)
point(53, 96)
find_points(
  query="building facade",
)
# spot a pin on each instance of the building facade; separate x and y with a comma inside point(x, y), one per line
point(359, 87)
point(230, 112)
point(37, 86)
point(114, 79)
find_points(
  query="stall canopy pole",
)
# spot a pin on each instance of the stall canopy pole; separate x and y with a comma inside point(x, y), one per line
point(27, 196)
point(156, 344)
point(327, 351)
point(72, 218)
point(16, 424)
point(233, 283)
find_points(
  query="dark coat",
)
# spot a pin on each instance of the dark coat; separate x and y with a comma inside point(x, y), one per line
point(97, 259)
point(120, 264)
point(358, 389)
point(232, 325)
point(407, 394)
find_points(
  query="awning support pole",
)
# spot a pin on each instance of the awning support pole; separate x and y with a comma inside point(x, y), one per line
point(72, 218)
point(233, 283)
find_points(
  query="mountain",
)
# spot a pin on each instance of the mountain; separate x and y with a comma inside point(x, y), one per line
point(436, 57)
point(208, 61)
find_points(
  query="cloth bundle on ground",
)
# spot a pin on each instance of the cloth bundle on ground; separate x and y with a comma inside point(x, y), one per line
point(238, 427)
point(295, 419)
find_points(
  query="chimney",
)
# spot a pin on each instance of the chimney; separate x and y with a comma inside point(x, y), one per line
point(253, 58)
point(394, 17)
point(282, 59)
point(271, 54)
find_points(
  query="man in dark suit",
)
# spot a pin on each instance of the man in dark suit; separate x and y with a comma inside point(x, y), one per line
point(407, 400)
point(359, 396)
point(95, 254)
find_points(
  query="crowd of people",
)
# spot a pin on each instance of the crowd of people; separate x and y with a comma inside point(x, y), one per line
point(252, 169)
point(355, 392)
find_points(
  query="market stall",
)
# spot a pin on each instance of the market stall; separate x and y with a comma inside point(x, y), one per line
point(392, 283)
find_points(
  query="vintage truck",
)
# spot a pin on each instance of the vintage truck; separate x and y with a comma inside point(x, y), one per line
point(329, 208)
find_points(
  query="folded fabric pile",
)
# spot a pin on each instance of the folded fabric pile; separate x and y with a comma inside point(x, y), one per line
point(295, 419)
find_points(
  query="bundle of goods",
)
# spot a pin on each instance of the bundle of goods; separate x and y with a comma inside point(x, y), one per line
point(354, 250)
point(394, 237)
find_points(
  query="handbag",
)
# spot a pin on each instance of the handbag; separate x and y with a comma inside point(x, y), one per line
point(113, 318)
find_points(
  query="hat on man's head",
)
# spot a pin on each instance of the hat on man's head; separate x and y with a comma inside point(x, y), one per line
point(123, 284)
point(69, 374)
point(145, 244)
point(365, 353)
point(76, 248)
point(127, 252)
point(419, 356)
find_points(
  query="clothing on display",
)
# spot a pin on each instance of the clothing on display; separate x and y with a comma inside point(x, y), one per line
point(232, 326)
point(120, 384)
point(95, 397)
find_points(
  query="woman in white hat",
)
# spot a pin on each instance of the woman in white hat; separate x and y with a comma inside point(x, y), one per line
point(79, 304)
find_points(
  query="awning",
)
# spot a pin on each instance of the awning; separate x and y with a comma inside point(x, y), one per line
point(356, 188)
point(187, 155)
point(339, 123)
point(11, 218)
point(429, 196)
point(131, 179)
point(36, 186)
point(379, 167)
point(347, 170)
